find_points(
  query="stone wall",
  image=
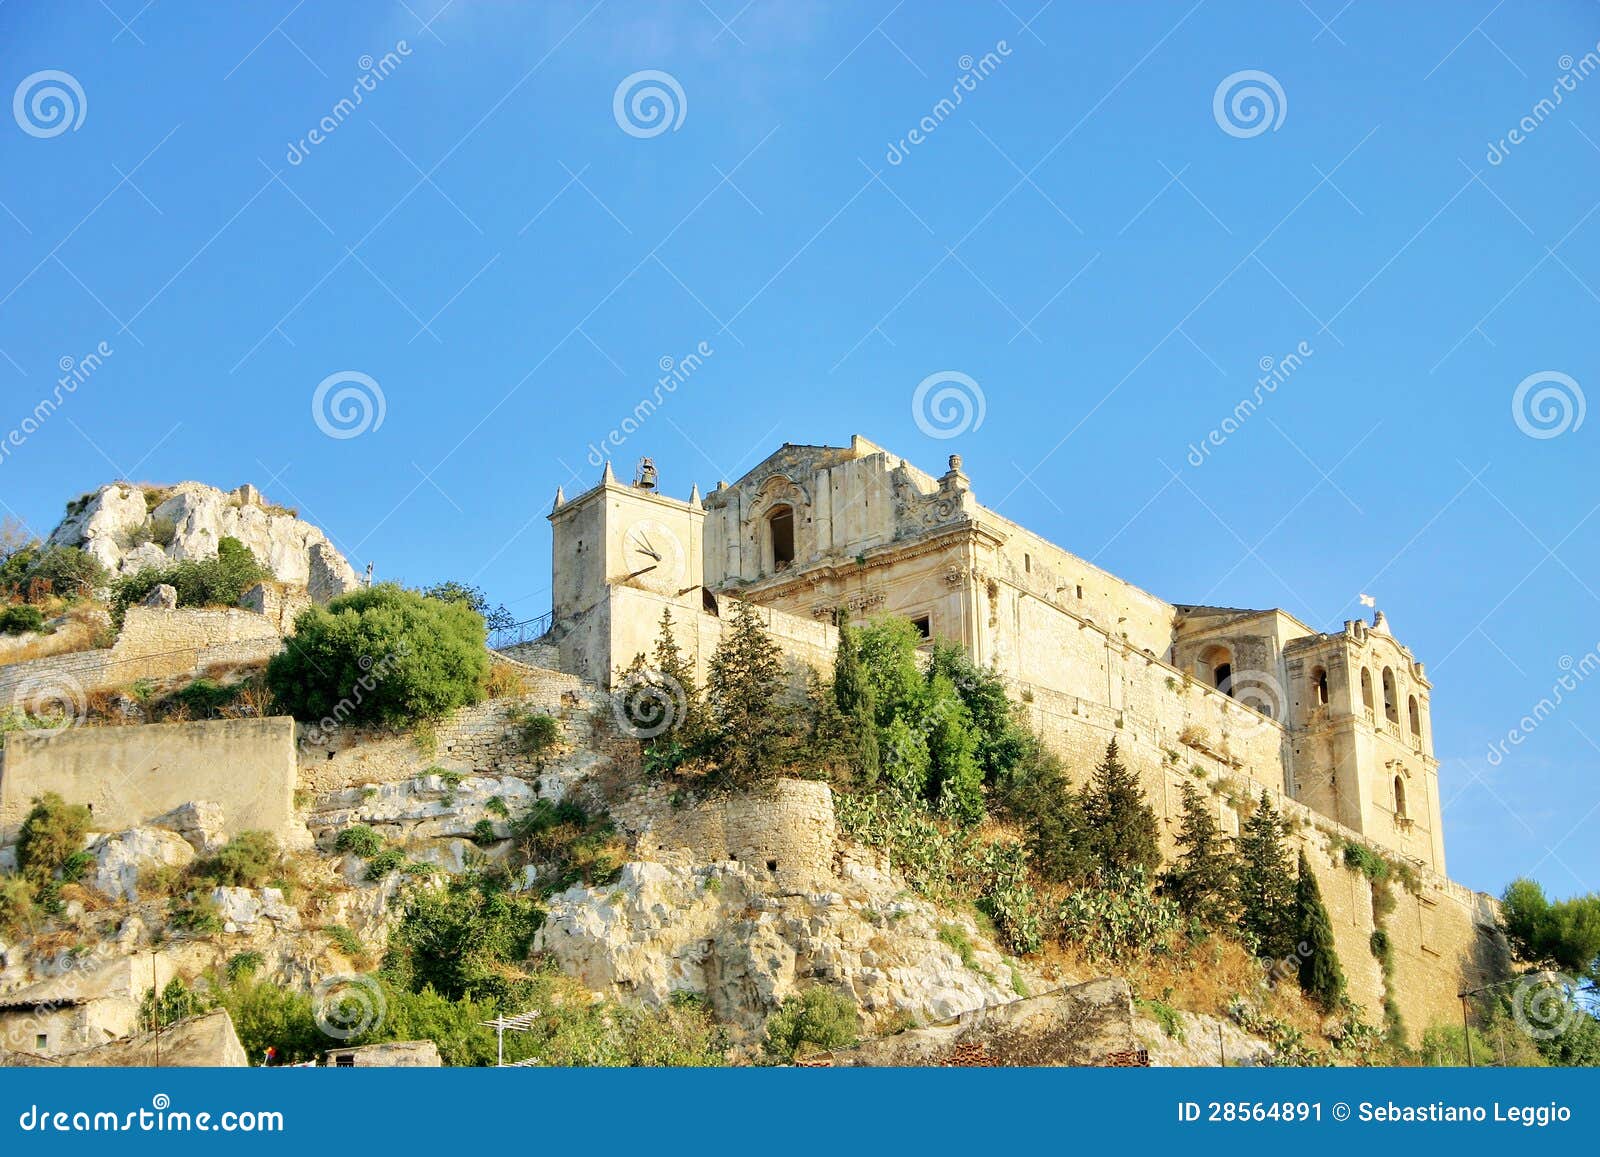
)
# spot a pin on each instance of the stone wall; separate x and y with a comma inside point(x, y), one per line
point(155, 642)
point(470, 739)
point(1442, 939)
point(787, 829)
point(130, 775)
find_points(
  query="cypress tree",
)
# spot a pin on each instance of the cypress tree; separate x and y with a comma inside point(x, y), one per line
point(1203, 881)
point(675, 669)
point(1321, 978)
point(1266, 891)
point(853, 695)
point(1122, 825)
point(746, 680)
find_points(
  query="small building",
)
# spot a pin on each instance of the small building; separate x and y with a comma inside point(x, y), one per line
point(400, 1054)
point(80, 1009)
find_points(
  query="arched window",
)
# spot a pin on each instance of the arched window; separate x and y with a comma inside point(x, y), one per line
point(1319, 687)
point(1391, 708)
point(1399, 798)
point(1366, 688)
point(780, 525)
point(1416, 717)
point(1216, 667)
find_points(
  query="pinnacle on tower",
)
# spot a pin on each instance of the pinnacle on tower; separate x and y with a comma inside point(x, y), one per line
point(561, 499)
point(608, 478)
point(694, 494)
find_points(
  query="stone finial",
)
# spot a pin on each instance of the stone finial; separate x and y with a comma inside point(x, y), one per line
point(694, 494)
point(607, 478)
point(561, 498)
point(955, 463)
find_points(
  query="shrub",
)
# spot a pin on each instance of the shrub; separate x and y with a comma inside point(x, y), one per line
point(195, 914)
point(67, 572)
point(483, 832)
point(533, 733)
point(16, 904)
point(345, 940)
point(1119, 920)
point(386, 861)
point(268, 1015)
point(464, 940)
point(817, 1020)
point(176, 1002)
point(359, 840)
point(243, 965)
point(380, 656)
point(21, 619)
point(205, 582)
point(249, 860)
point(52, 833)
point(571, 845)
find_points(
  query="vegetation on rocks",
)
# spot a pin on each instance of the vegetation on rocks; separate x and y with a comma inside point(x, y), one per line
point(380, 656)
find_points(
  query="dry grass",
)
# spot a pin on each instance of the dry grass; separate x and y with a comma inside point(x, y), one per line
point(1203, 978)
point(504, 681)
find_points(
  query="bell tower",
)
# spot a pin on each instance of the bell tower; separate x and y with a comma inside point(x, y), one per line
point(621, 554)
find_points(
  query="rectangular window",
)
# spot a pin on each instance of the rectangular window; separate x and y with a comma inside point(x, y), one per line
point(924, 625)
point(42, 1042)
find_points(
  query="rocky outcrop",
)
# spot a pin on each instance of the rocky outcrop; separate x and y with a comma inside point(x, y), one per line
point(119, 859)
point(1080, 1025)
point(118, 526)
point(736, 935)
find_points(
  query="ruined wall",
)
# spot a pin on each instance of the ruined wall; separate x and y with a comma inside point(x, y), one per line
point(470, 739)
point(787, 829)
point(155, 642)
point(129, 775)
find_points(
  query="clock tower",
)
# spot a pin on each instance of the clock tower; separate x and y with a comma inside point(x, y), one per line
point(622, 554)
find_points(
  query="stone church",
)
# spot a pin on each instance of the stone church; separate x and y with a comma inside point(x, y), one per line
point(1338, 722)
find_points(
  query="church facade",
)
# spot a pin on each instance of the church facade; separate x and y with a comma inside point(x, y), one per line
point(1338, 721)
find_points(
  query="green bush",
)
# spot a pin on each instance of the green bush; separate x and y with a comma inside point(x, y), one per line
point(249, 860)
point(16, 904)
point(533, 733)
point(384, 862)
point(21, 619)
point(1118, 920)
point(359, 840)
point(817, 1020)
point(383, 656)
point(50, 836)
point(196, 914)
point(243, 965)
point(206, 582)
point(177, 1002)
point(569, 845)
point(464, 940)
point(67, 572)
point(268, 1015)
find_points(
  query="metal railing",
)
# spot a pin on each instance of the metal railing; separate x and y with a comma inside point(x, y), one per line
point(516, 634)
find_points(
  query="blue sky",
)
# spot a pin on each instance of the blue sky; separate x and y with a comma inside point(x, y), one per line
point(1106, 256)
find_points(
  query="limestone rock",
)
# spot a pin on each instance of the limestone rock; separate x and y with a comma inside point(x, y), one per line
point(119, 858)
point(200, 822)
point(242, 909)
point(161, 595)
point(111, 521)
point(745, 941)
